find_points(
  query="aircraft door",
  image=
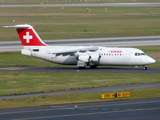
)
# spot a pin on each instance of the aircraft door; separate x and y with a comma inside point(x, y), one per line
point(128, 54)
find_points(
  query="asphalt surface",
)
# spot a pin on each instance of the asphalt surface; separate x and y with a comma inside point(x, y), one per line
point(86, 70)
point(153, 4)
point(107, 42)
point(142, 109)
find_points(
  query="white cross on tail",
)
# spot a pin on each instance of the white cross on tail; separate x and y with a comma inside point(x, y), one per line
point(27, 37)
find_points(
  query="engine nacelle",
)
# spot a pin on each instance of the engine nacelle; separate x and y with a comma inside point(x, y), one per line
point(84, 58)
point(94, 58)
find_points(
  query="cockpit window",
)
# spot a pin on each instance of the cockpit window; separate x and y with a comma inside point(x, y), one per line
point(136, 54)
point(143, 54)
point(139, 54)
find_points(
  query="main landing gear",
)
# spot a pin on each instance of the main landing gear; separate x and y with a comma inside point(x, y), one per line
point(93, 67)
point(144, 67)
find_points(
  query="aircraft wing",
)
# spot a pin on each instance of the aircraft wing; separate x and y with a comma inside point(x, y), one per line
point(92, 48)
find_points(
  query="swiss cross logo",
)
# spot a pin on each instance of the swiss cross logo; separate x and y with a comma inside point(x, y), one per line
point(27, 37)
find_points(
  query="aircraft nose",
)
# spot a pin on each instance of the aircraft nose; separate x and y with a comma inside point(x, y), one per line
point(152, 60)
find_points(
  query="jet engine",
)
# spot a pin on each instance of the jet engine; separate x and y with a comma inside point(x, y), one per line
point(94, 58)
point(88, 59)
point(84, 58)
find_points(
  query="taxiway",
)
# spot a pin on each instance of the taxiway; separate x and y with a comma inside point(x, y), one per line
point(86, 70)
point(151, 4)
point(142, 109)
point(107, 42)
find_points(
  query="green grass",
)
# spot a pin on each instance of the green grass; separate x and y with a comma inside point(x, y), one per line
point(17, 59)
point(76, 98)
point(71, 23)
point(33, 82)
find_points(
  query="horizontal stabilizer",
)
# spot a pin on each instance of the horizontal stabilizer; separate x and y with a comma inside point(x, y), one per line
point(24, 26)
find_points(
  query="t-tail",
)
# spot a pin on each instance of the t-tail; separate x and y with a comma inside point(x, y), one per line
point(28, 35)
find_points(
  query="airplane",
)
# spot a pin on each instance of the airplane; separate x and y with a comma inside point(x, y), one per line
point(81, 56)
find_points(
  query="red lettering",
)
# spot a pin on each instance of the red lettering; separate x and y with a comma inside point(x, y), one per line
point(115, 51)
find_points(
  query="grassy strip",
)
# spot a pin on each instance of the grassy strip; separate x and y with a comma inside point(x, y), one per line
point(33, 82)
point(75, 98)
point(17, 59)
point(71, 23)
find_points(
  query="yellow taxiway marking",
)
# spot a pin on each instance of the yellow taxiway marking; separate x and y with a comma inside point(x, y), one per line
point(13, 68)
point(6, 68)
point(87, 114)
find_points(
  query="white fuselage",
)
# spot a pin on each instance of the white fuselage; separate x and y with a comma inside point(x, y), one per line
point(105, 55)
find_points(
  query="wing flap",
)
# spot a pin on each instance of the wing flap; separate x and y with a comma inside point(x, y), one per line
point(93, 48)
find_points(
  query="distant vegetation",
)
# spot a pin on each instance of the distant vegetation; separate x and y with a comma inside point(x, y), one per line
point(77, 22)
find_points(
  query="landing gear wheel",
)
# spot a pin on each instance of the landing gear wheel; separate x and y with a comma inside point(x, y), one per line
point(93, 67)
point(144, 68)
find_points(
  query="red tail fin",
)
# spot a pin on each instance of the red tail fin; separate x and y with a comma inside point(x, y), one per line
point(28, 35)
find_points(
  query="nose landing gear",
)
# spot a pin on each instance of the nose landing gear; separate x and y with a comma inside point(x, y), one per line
point(144, 67)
